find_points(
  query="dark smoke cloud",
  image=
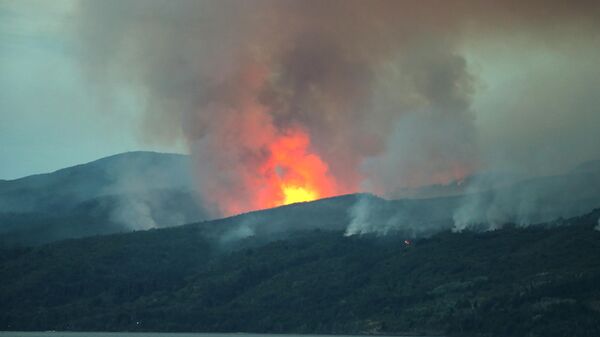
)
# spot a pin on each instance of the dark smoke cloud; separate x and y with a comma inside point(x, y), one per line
point(384, 88)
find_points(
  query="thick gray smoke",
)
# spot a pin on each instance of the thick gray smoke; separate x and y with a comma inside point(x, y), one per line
point(487, 202)
point(393, 94)
point(530, 201)
point(411, 218)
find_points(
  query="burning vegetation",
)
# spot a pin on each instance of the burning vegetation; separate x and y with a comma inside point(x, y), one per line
point(285, 101)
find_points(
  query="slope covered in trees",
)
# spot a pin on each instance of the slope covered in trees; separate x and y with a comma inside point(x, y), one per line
point(537, 281)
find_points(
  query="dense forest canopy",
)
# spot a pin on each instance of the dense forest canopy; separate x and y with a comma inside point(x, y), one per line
point(536, 281)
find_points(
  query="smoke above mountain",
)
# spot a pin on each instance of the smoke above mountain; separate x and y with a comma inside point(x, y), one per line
point(283, 101)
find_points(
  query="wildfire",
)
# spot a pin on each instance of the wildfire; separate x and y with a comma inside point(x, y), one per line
point(297, 194)
point(294, 174)
point(249, 162)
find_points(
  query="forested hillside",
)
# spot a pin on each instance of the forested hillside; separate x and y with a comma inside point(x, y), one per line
point(537, 281)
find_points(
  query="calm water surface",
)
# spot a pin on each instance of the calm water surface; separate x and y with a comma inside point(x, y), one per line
point(151, 334)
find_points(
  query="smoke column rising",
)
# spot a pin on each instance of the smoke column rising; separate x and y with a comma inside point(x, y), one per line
point(377, 95)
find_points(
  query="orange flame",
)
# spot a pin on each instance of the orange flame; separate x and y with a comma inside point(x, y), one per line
point(293, 173)
point(248, 162)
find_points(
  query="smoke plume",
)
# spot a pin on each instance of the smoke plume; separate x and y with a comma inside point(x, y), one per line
point(375, 96)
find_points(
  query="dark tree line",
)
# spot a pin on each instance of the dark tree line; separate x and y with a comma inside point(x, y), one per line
point(541, 281)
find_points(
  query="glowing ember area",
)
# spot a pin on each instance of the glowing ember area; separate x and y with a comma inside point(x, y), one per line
point(293, 173)
point(297, 194)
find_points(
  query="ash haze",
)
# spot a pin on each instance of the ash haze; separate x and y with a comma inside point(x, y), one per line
point(391, 94)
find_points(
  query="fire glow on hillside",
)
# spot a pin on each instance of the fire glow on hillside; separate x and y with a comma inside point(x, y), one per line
point(260, 160)
point(286, 171)
point(294, 174)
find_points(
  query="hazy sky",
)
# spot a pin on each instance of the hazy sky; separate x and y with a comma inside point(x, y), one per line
point(534, 102)
point(50, 117)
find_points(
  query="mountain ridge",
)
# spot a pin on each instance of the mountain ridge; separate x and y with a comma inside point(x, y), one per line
point(142, 190)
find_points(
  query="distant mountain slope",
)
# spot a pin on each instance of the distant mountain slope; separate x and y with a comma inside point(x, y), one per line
point(491, 200)
point(539, 281)
point(142, 190)
point(593, 165)
point(525, 202)
point(485, 181)
point(129, 191)
point(478, 182)
point(537, 199)
point(131, 172)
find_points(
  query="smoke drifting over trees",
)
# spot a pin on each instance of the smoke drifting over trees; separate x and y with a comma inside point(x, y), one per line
point(392, 94)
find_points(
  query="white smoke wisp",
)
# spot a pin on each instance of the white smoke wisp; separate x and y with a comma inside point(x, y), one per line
point(410, 218)
point(133, 213)
point(483, 209)
point(240, 232)
point(529, 201)
point(361, 218)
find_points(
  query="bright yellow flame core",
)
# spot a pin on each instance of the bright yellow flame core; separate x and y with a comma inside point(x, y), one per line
point(293, 194)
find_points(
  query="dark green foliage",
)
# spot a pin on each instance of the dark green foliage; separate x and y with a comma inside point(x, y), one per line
point(541, 281)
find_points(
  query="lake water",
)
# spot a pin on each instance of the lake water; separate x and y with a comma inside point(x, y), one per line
point(152, 334)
